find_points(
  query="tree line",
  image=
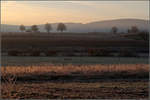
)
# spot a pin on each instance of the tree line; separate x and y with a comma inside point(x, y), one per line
point(34, 28)
point(133, 29)
point(143, 34)
point(62, 27)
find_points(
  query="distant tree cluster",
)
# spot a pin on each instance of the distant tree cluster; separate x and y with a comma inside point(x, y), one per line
point(22, 28)
point(114, 29)
point(48, 27)
point(133, 29)
point(61, 27)
point(34, 28)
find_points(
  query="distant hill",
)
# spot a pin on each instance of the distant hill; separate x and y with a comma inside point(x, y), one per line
point(99, 26)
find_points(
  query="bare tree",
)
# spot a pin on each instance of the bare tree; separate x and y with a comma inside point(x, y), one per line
point(61, 27)
point(48, 27)
point(34, 28)
point(134, 29)
point(22, 28)
point(114, 29)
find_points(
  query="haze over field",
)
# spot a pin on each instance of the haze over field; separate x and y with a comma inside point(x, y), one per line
point(100, 26)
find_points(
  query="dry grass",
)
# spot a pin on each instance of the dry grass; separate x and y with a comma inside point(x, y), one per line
point(76, 69)
point(12, 88)
point(77, 90)
point(68, 69)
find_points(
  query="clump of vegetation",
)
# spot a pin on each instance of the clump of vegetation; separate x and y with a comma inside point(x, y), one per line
point(22, 28)
point(48, 27)
point(127, 53)
point(13, 53)
point(114, 29)
point(51, 53)
point(35, 53)
point(134, 29)
point(99, 52)
point(135, 33)
point(34, 28)
point(61, 27)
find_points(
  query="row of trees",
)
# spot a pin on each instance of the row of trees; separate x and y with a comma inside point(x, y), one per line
point(144, 34)
point(133, 29)
point(61, 27)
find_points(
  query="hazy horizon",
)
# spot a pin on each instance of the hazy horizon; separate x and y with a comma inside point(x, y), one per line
point(81, 22)
point(41, 12)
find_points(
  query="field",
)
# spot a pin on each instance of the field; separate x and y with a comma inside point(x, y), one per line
point(60, 40)
point(74, 50)
point(78, 90)
point(76, 81)
point(27, 61)
point(95, 75)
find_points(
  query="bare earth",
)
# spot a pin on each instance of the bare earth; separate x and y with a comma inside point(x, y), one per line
point(97, 90)
point(122, 81)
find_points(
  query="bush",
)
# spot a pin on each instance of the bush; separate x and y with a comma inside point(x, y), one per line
point(99, 52)
point(13, 53)
point(51, 53)
point(35, 53)
point(127, 53)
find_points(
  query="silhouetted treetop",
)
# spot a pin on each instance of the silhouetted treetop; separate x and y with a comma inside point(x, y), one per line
point(134, 29)
point(48, 27)
point(114, 29)
point(61, 27)
point(34, 28)
point(22, 28)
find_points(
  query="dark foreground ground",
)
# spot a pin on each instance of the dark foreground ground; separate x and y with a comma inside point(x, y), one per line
point(124, 81)
point(77, 90)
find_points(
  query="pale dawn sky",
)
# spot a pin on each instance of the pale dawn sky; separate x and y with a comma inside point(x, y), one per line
point(41, 12)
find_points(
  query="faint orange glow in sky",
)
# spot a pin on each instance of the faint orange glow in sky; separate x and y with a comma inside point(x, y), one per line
point(40, 12)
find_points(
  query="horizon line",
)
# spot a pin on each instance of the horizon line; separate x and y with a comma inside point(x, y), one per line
point(81, 22)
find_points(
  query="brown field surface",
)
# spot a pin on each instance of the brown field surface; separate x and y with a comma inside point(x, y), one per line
point(124, 81)
point(77, 90)
point(42, 40)
point(109, 71)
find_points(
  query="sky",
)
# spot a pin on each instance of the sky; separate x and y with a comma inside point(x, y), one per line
point(41, 12)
